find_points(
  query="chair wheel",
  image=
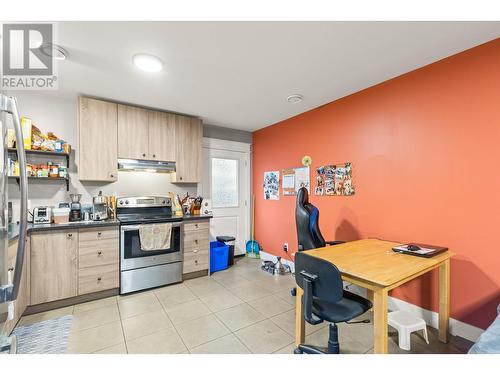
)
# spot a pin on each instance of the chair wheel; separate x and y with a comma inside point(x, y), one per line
point(297, 351)
point(293, 292)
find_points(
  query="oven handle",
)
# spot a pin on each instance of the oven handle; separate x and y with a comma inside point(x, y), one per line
point(128, 228)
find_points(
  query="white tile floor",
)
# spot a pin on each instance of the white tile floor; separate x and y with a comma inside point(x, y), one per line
point(239, 310)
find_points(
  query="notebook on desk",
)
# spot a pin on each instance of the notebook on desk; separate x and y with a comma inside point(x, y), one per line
point(425, 251)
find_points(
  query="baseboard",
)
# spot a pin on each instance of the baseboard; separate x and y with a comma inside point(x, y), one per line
point(457, 328)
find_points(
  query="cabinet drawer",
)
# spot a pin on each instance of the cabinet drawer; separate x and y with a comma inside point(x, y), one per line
point(196, 260)
point(196, 225)
point(98, 234)
point(98, 253)
point(95, 279)
point(196, 239)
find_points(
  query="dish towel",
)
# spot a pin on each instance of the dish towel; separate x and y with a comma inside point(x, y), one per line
point(155, 236)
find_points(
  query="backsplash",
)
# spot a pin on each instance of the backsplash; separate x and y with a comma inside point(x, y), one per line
point(50, 113)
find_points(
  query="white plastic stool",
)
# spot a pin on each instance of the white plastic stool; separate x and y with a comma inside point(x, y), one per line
point(405, 324)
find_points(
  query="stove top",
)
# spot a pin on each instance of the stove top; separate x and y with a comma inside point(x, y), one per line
point(138, 210)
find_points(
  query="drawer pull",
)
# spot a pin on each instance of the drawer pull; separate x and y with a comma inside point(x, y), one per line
point(99, 253)
point(70, 235)
point(11, 269)
point(99, 279)
point(99, 234)
point(196, 261)
point(196, 241)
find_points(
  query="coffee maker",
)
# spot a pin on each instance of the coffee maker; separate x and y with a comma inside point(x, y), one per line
point(75, 213)
point(100, 207)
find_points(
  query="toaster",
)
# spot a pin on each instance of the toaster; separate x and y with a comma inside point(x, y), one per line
point(42, 215)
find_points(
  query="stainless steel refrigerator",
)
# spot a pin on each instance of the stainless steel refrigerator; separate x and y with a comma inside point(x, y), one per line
point(10, 279)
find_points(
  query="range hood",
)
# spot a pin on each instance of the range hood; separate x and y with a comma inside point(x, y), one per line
point(152, 166)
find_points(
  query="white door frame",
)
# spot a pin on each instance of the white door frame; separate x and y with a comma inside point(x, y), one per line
point(240, 147)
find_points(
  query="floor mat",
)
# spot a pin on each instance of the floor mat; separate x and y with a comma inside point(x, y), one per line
point(47, 337)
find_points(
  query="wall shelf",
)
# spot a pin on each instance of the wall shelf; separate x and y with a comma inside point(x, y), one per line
point(47, 154)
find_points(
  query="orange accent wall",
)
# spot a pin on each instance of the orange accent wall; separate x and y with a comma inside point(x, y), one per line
point(425, 149)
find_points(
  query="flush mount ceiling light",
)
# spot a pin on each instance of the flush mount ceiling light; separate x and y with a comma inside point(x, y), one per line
point(53, 50)
point(295, 98)
point(147, 63)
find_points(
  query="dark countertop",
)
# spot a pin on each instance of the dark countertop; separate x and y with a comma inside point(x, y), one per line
point(14, 228)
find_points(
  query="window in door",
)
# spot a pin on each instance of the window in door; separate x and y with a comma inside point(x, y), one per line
point(224, 183)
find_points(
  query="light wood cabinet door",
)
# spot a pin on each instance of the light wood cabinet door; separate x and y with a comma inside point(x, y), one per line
point(161, 136)
point(132, 132)
point(188, 137)
point(97, 139)
point(53, 266)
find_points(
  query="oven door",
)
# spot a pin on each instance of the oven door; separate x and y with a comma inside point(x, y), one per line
point(132, 257)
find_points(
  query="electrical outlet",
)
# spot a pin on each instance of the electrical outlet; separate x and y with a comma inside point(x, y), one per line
point(285, 247)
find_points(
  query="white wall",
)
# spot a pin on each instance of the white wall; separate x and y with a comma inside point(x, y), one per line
point(59, 115)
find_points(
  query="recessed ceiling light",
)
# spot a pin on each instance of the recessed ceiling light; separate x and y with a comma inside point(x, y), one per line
point(148, 63)
point(295, 98)
point(54, 50)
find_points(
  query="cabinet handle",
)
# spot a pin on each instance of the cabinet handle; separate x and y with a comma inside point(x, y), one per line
point(196, 225)
point(99, 253)
point(196, 262)
point(99, 234)
point(111, 175)
point(70, 235)
point(11, 269)
point(143, 155)
point(154, 155)
point(196, 241)
point(180, 178)
point(99, 278)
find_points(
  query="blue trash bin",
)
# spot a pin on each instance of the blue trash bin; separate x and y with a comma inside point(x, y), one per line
point(219, 253)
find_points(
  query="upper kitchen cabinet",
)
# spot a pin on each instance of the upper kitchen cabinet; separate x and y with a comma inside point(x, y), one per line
point(132, 132)
point(97, 138)
point(188, 148)
point(161, 136)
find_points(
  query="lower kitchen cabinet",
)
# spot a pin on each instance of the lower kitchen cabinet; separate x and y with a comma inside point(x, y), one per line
point(196, 246)
point(98, 278)
point(54, 266)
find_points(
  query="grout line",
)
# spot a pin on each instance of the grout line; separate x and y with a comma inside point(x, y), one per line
point(173, 325)
point(121, 324)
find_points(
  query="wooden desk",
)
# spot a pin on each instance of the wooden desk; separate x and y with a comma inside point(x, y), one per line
point(373, 265)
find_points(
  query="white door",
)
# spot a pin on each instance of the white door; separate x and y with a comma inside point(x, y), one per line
point(226, 182)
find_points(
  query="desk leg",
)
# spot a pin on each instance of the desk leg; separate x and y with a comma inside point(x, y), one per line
point(300, 324)
point(369, 296)
point(444, 300)
point(380, 340)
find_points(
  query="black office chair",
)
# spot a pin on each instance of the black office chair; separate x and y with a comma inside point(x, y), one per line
point(325, 300)
point(307, 221)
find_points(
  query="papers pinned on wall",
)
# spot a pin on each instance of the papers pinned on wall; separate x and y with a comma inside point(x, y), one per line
point(334, 180)
point(271, 185)
point(294, 179)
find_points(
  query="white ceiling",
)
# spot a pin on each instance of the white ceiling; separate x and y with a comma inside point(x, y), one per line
point(238, 74)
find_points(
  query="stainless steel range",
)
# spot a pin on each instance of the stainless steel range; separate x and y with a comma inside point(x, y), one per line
point(147, 269)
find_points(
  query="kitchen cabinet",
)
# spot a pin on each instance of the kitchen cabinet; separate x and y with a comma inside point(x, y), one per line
point(133, 133)
point(161, 136)
point(22, 300)
point(98, 260)
point(196, 246)
point(54, 266)
point(97, 140)
point(188, 149)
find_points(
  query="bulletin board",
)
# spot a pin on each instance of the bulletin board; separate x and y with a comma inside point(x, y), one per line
point(295, 178)
point(334, 180)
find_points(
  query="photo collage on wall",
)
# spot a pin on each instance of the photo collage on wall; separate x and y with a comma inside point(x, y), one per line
point(334, 180)
point(272, 185)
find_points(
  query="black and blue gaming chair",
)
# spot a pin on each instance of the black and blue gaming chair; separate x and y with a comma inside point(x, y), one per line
point(325, 300)
point(307, 221)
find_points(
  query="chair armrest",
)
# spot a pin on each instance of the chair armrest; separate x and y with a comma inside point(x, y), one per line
point(334, 242)
point(307, 299)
